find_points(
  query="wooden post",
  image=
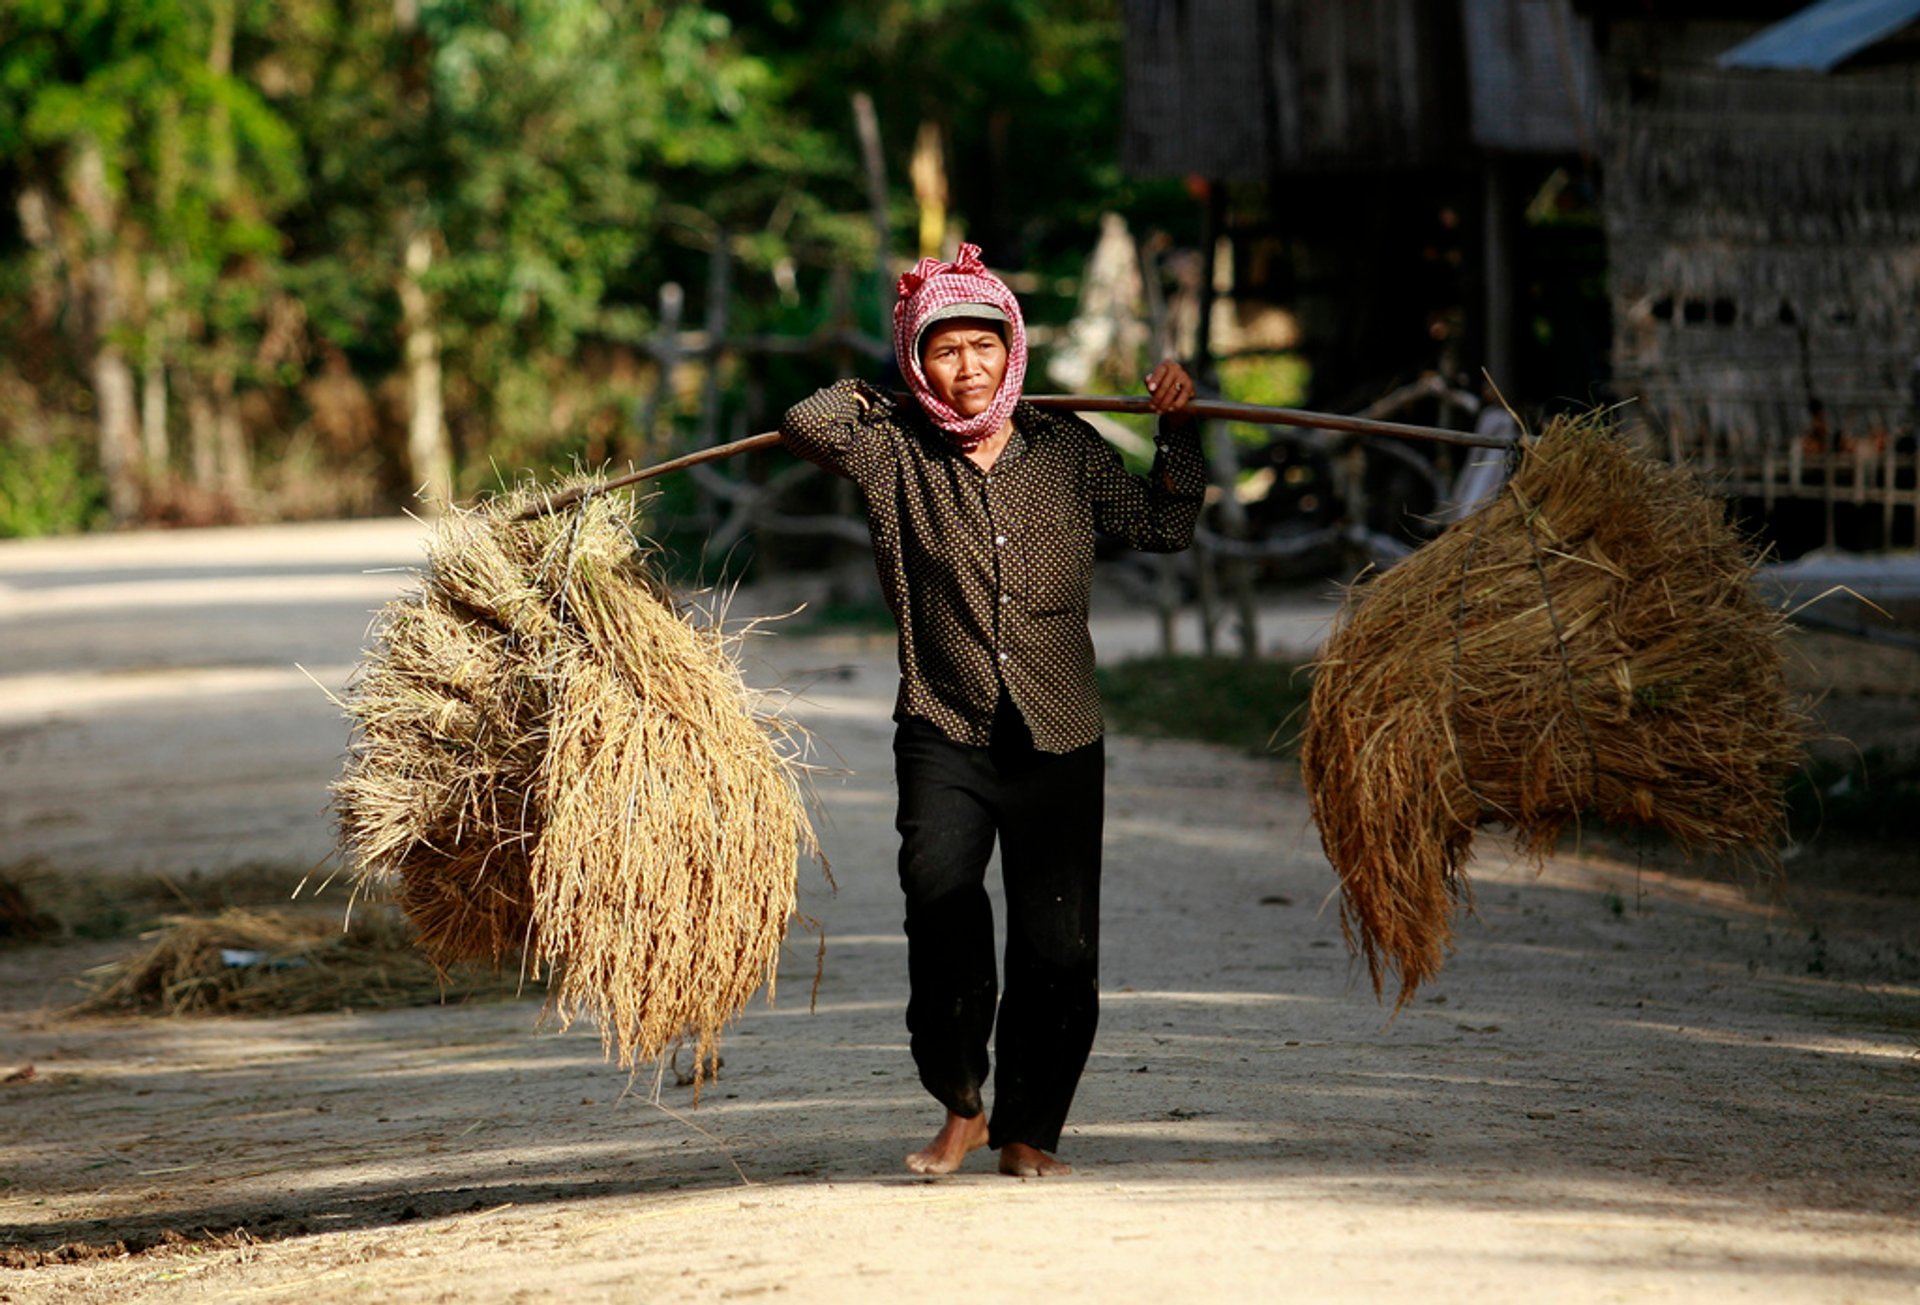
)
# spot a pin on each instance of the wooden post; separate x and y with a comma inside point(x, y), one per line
point(1208, 597)
point(1497, 254)
point(719, 290)
point(1827, 463)
point(1166, 592)
point(847, 566)
point(1219, 443)
point(666, 358)
point(1887, 443)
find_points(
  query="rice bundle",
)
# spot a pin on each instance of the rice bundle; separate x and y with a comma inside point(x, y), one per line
point(555, 761)
point(1587, 643)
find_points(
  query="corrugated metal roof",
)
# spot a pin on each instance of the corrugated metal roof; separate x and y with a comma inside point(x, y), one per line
point(1822, 35)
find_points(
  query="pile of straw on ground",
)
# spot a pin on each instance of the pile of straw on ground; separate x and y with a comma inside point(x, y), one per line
point(556, 763)
point(1587, 644)
point(243, 962)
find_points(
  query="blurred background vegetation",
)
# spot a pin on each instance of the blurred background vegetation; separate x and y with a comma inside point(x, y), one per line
point(277, 259)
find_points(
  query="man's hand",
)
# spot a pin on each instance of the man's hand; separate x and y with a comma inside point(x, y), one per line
point(1170, 388)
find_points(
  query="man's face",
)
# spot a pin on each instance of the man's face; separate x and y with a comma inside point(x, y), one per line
point(965, 360)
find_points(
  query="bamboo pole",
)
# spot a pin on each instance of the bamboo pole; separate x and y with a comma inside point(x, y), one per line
point(1214, 409)
point(1262, 415)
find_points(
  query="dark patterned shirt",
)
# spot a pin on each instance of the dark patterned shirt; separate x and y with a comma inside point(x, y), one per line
point(988, 573)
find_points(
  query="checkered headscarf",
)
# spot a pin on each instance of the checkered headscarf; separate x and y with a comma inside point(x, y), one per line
point(931, 286)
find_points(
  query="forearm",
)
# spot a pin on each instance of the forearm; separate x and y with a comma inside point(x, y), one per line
point(1179, 468)
point(830, 427)
point(1157, 514)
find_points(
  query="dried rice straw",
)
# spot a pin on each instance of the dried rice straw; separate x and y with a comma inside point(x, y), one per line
point(1588, 643)
point(556, 760)
point(243, 962)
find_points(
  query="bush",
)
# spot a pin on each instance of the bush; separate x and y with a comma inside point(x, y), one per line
point(1256, 705)
point(48, 489)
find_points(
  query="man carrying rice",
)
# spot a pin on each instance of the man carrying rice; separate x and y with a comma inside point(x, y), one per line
point(983, 512)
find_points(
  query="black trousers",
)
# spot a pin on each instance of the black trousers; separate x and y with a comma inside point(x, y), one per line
point(1046, 810)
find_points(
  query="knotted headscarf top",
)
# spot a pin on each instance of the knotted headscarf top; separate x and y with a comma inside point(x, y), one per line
point(924, 291)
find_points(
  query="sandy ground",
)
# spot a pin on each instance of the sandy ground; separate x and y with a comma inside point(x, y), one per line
point(1630, 1083)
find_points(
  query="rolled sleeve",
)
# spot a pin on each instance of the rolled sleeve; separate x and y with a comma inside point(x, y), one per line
point(832, 430)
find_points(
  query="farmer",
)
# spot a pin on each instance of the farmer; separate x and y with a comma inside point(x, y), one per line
point(983, 512)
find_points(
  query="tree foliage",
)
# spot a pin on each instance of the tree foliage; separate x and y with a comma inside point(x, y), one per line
point(260, 170)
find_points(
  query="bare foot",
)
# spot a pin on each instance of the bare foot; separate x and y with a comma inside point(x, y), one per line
point(958, 1136)
point(1018, 1160)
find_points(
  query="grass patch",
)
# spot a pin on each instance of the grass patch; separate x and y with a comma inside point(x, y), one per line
point(1258, 706)
point(1872, 795)
point(857, 617)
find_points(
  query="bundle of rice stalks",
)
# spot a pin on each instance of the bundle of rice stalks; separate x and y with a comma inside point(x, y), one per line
point(1588, 643)
point(244, 962)
point(555, 761)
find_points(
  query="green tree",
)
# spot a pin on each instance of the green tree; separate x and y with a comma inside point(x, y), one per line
point(147, 178)
point(460, 214)
point(516, 179)
point(1022, 95)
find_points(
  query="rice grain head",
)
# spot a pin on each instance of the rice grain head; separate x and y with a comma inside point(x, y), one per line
point(556, 762)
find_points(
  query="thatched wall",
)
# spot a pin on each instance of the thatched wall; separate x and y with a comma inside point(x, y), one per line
point(1764, 240)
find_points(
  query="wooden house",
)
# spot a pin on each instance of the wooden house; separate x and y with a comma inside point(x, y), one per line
point(1390, 147)
point(1758, 169)
point(1762, 201)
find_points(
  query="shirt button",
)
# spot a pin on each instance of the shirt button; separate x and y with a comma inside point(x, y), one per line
point(1005, 599)
point(999, 541)
point(1003, 657)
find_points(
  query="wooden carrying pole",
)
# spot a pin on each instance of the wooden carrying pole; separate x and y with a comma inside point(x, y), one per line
point(1205, 409)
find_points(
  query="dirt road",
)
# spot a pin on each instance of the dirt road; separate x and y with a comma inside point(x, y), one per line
point(1628, 1084)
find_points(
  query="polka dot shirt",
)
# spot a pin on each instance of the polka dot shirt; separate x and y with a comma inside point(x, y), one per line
point(988, 573)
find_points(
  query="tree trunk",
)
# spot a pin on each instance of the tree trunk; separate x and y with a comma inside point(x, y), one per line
point(220, 145)
point(154, 444)
point(34, 208)
point(203, 441)
point(112, 376)
point(929, 173)
point(230, 439)
point(429, 451)
point(866, 123)
point(113, 391)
